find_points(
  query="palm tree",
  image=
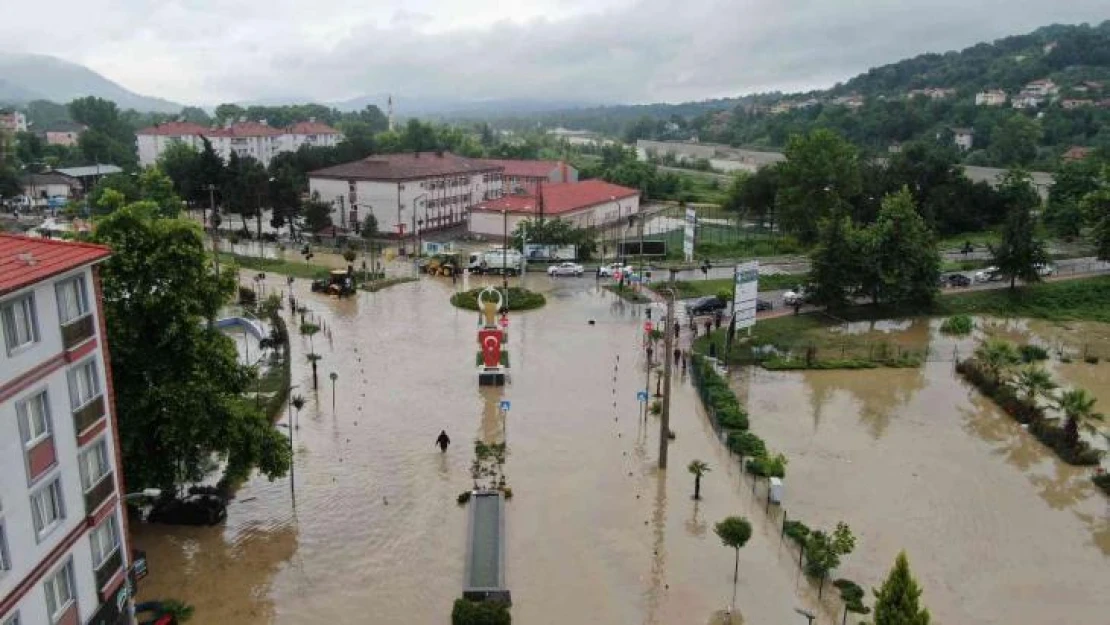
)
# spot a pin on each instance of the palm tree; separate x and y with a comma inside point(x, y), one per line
point(698, 468)
point(1034, 382)
point(734, 532)
point(1078, 406)
point(997, 356)
point(298, 403)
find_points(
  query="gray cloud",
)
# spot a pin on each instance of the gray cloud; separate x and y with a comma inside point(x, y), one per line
point(603, 50)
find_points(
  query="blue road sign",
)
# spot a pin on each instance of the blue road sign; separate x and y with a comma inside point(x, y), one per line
point(505, 405)
point(641, 395)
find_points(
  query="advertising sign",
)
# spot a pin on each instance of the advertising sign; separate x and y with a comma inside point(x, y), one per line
point(537, 251)
point(688, 234)
point(746, 294)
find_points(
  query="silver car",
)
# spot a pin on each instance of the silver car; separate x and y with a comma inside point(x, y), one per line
point(565, 269)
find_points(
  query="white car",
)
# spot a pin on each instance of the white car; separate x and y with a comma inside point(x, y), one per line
point(793, 297)
point(989, 274)
point(1044, 269)
point(608, 271)
point(565, 269)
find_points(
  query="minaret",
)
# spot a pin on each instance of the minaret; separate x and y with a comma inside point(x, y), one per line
point(389, 111)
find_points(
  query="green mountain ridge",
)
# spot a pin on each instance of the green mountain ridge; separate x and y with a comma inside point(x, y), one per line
point(28, 77)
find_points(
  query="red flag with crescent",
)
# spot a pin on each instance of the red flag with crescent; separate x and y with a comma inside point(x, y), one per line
point(490, 340)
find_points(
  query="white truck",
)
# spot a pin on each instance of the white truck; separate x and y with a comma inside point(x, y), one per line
point(496, 262)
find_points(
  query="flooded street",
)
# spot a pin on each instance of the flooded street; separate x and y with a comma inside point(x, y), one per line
point(997, 529)
point(594, 532)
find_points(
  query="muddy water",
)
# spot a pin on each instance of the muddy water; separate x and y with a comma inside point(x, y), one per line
point(996, 528)
point(595, 533)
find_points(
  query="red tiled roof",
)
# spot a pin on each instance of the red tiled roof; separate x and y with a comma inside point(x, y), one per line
point(1077, 153)
point(25, 260)
point(311, 128)
point(561, 198)
point(174, 129)
point(526, 169)
point(244, 129)
point(407, 166)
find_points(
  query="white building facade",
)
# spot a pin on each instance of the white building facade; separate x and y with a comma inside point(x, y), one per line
point(257, 140)
point(586, 204)
point(406, 193)
point(993, 97)
point(13, 121)
point(64, 556)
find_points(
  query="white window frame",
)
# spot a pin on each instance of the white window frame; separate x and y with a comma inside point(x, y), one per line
point(27, 426)
point(99, 451)
point(7, 321)
point(43, 528)
point(76, 401)
point(51, 589)
point(77, 283)
point(109, 526)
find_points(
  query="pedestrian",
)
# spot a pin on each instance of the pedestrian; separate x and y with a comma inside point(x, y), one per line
point(677, 355)
point(677, 328)
point(443, 441)
point(717, 319)
point(454, 277)
point(684, 355)
point(708, 326)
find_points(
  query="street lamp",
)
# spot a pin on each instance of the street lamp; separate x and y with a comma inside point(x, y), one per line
point(505, 252)
point(423, 196)
point(810, 616)
point(146, 493)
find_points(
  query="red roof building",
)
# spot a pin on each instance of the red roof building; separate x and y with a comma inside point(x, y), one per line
point(523, 176)
point(1077, 153)
point(27, 260)
point(585, 204)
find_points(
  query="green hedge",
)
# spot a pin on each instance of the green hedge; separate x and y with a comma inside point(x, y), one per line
point(519, 299)
point(627, 293)
point(466, 612)
point(1103, 482)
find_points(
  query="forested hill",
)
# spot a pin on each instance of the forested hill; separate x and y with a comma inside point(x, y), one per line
point(922, 98)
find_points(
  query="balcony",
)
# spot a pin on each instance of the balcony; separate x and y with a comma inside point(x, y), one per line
point(78, 331)
point(105, 572)
point(99, 493)
point(85, 416)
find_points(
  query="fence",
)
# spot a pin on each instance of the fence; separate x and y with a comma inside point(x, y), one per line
point(718, 232)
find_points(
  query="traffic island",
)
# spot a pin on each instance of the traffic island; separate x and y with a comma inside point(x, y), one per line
point(627, 293)
point(516, 299)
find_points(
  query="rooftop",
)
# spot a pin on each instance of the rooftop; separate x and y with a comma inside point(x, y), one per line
point(525, 169)
point(311, 127)
point(100, 169)
point(25, 260)
point(561, 198)
point(174, 129)
point(407, 166)
point(50, 177)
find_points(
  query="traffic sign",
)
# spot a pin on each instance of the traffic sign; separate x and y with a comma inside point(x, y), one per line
point(641, 396)
point(648, 326)
point(504, 405)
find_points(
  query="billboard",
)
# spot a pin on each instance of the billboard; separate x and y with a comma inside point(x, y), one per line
point(745, 294)
point(651, 248)
point(538, 251)
point(688, 234)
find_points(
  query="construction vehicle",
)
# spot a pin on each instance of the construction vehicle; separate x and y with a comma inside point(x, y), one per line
point(340, 282)
point(446, 264)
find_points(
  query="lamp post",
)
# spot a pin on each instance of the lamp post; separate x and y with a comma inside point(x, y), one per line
point(505, 253)
point(334, 376)
point(423, 196)
point(668, 346)
point(292, 457)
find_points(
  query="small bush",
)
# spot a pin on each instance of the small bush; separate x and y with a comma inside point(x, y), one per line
point(1103, 482)
point(1032, 353)
point(732, 418)
point(466, 612)
point(768, 466)
point(746, 444)
point(1091, 360)
point(656, 407)
point(796, 531)
point(464, 497)
point(959, 325)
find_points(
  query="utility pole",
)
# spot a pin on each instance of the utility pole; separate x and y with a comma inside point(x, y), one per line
point(668, 346)
point(215, 228)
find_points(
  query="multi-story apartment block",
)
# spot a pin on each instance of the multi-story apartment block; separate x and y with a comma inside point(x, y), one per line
point(257, 140)
point(64, 554)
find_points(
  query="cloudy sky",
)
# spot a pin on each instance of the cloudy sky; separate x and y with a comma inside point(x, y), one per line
point(209, 51)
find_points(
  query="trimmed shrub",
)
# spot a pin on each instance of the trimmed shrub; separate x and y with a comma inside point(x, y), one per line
point(796, 531)
point(746, 444)
point(466, 612)
point(1032, 353)
point(732, 418)
point(959, 325)
point(519, 299)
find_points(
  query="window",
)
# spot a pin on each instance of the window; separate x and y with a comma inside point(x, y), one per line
point(20, 325)
point(105, 541)
point(84, 384)
point(59, 591)
point(34, 419)
point(13, 619)
point(5, 557)
point(73, 301)
point(46, 507)
point(94, 465)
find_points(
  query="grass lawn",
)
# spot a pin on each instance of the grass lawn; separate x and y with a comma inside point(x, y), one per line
point(377, 285)
point(703, 288)
point(284, 267)
point(1066, 300)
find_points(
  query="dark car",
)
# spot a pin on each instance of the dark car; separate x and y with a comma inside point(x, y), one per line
point(762, 305)
point(705, 306)
point(194, 509)
point(958, 279)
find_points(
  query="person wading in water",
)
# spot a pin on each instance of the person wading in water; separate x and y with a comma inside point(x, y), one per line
point(443, 441)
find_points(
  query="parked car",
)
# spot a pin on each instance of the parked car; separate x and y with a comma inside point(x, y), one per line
point(608, 271)
point(762, 305)
point(194, 509)
point(565, 269)
point(955, 280)
point(705, 306)
point(794, 296)
point(989, 274)
point(1044, 269)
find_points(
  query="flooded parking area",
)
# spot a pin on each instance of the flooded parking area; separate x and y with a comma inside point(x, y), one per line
point(997, 528)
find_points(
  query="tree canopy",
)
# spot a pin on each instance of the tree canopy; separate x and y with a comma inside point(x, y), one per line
point(896, 602)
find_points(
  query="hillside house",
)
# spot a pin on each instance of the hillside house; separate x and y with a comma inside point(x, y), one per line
point(992, 97)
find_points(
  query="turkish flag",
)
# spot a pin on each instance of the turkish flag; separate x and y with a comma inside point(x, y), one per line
point(490, 340)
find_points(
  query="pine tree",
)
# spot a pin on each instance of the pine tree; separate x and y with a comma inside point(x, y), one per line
point(896, 602)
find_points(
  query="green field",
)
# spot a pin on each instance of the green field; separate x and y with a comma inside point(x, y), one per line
point(284, 267)
point(703, 288)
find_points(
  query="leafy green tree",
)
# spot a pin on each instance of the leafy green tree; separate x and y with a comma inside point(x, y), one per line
point(1078, 407)
point(155, 186)
point(317, 215)
point(126, 190)
point(824, 550)
point(368, 228)
point(229, 112)
point(902, 263)
point(1014, 140)
point(821, 174)
point(182, 164)
point(1096, 210)
point(177, 379)
point(697, 468)
point(196, 115)
point(1020, 250)
point(836, 262)
point(108, 137)
point(9, 182)
point(1072, 182)
point(734, 532)
point(246, 184)
point(896, 602)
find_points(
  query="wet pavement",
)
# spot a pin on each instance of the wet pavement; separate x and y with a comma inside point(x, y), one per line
point(596, 534)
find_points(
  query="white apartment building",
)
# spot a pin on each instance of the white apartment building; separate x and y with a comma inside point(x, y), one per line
point(257, 140)
point(993, 97)
point(64, 556)
point(406, 193)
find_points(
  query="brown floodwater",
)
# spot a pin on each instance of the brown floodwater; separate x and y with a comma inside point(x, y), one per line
point(595, 533)
point(997, 529)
